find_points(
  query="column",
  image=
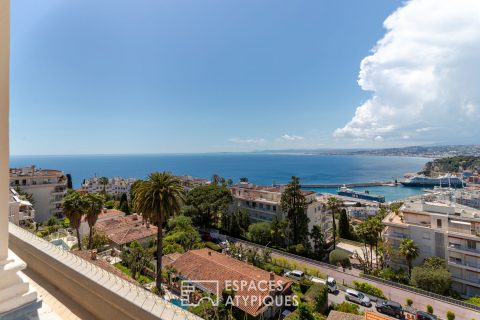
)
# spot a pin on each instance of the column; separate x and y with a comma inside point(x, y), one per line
point(15, 291)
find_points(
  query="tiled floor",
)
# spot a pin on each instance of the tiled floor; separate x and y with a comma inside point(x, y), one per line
point(55, 304)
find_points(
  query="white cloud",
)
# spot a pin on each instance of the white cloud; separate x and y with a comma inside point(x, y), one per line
point(288, 137)
point(424, 75)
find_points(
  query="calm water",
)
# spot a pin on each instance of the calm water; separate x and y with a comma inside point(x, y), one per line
point(259, 168)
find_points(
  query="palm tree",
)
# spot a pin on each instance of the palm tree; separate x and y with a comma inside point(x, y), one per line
point(103, 181)
point(410, 251)
point(157, 198)
point(95, 203)
point(334, 204)
point(74, 206)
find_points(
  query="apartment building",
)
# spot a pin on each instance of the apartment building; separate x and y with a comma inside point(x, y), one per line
point(263, 203)
point(115, 187)
point(444, 229)
point(48, 188)
point(21, 211)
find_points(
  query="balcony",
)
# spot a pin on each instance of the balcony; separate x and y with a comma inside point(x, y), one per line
point(473, 266)
point(92, 290)
point(455, 247)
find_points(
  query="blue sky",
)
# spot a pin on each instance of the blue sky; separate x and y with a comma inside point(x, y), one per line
point(91, 77)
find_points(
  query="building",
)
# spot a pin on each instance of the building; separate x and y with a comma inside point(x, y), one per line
point(106, 214)
point(115, 187)
point(48, 188)
point(443, 229)
point(212, 272)
point(263, 204)
point(122, 230)
point(21, 211)
point(189, 182)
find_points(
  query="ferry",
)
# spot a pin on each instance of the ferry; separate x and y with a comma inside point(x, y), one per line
point(365, 195)
point(447, 180)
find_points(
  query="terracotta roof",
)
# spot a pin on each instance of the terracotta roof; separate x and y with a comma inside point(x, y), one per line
point(109, 213)
point(337, 315)
point(205, 264)
point(369, 315)
point(123, 230)
point(102, 263)
point(168, 259)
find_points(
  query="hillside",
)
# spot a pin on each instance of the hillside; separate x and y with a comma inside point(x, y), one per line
point(451, 164)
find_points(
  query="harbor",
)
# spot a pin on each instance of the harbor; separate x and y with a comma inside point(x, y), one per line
point(391, 183)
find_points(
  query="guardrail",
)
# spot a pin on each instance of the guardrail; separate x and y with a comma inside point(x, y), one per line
point(422, 292)
point(288, 254)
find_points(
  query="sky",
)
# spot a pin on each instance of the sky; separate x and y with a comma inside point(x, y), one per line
point(185, 76)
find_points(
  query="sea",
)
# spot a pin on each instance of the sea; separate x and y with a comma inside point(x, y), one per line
point(259, 168)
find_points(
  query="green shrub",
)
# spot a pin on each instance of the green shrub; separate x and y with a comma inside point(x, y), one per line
point(213, 246)
point(317, 297)
point(272, 268)
point(305, 284)
point(474, 300)
point(368, 289)
point(409, 302)
point(339, 257)
point(347, 307)
point(429, 309)
point(450, 315)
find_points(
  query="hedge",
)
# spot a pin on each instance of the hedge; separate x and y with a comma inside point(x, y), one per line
point(369, 289)
point(213, 246)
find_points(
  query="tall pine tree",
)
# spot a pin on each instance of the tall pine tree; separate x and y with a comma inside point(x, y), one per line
point(294, 204)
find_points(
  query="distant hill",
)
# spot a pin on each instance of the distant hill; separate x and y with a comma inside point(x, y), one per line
point(451, 164)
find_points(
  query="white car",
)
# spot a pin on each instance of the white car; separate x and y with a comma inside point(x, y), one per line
point(357, 297)
point(330, 282)
point(295, 275)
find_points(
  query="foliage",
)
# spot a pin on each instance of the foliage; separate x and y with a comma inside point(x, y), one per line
point(305, 284)
point(272, 268)
point(69, 181)
point(451, 164)
point(474, 300)
point(429, 309)
point(123, 206)
point(236, 223)
point(369, 289)
point(339, 257)
point(410, 251)
point(347, 307)
point(74, 206)
point(344, 225)
point(95, 203)
point(213, 246)
point(409, 302)
point(399, 276)
point(432, 276)
point(293, 202)
point(98, 241)
point(317, 296)
point(181, 236)
point(319, 245)
point(157, 198)
point(25, 195)
point(136, 258)
point(279, 231)
point(450, 315)
point(259, 233)
point(208, 203)
point(333, 205)
point(142, 279)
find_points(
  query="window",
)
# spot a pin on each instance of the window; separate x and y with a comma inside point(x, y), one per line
point(439, 223)
point(275, 208)
point(268, 207)
point(471, 244)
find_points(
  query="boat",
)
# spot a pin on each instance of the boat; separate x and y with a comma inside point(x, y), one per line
point(447, 180)
point(365, 195)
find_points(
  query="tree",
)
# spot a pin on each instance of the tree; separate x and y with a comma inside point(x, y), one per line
point(103, 181)
point(98, 240)
point(210, 202)
point(339, 257)
point(243, 179)
point(293, 202)
point(432, 276)
point(318, 242)
point(344, 225)
point(25, 195)
point(180, 234)
point(333, 205)
point(74, 206)
point(135, 257)
point(410, 251)
point(124, 207)
point(259, 233)
point(450, 315)
point(95, 203)
point(157, 198)
point(215, 179)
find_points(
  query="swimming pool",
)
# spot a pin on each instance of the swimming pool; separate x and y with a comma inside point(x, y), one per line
point(179, 303)
point(60, 243)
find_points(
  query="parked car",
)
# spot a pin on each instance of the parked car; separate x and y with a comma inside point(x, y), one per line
point(357, 297)
point(391, 308)
point(422, 315)
point(330, 282)
point(295, 274)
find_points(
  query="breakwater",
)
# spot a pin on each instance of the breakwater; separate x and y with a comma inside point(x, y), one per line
point(350, 185)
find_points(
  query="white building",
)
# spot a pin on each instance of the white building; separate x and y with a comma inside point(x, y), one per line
point(443, 229)
point(48, 188)
point(263, 203)
point(115, 187)
point(21, 211)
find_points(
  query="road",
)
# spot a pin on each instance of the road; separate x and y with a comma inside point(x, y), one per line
point(420, 301)
point(339, 297)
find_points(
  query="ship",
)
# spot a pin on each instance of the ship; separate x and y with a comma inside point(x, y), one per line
point(445, 181)
point(365, 195)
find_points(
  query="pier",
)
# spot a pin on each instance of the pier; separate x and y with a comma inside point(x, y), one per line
point(349, 185)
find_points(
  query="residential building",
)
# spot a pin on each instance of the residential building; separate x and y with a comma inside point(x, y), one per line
point(263, 204)
point(21, 211)
point(122, 230)
point(115, 187)
point(212, 272)
point(48, 188)
point(444, 229)
point(189, 182)
point(106, 214)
